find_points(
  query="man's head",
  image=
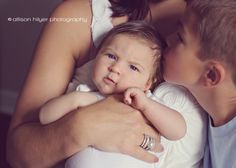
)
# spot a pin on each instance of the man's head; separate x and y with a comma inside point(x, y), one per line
point(202, 56)
point(207, 36)
point(129, 56)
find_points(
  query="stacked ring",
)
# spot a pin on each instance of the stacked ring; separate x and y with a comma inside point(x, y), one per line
point(148, 142)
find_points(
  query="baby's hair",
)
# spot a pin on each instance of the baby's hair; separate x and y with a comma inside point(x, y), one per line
point(216, 27)
point(146, 32)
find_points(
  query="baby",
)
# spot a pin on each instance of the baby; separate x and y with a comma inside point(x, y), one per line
point(128, 62)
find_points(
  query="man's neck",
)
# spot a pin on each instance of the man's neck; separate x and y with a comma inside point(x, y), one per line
point(221, 106)
point(223, 117)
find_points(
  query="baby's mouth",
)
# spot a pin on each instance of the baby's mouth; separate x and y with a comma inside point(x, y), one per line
point(109, 80)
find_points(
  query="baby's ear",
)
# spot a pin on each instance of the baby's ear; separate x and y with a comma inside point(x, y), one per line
point(214, 74)
point(149, 84)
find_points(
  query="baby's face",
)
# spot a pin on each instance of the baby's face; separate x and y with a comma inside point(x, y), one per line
point(123, 62)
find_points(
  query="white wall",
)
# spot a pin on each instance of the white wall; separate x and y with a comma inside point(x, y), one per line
point(17, 41)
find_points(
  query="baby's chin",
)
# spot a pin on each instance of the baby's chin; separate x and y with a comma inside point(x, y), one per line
point(110, 91)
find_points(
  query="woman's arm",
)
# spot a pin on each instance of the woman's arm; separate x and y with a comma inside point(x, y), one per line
point(60, 45)
point(34, 145)
point(60, 106)
point(167, 121)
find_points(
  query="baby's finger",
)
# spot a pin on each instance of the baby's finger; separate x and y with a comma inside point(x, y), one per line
point(127, 98)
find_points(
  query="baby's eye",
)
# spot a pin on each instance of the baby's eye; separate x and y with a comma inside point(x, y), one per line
point(134, 68)
point(111, 56)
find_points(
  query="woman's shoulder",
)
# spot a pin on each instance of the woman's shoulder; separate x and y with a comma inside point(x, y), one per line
point(70, 21)
point(79, 11)
point(78, 6)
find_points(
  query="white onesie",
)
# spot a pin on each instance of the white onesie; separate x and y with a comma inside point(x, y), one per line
point(184, 153)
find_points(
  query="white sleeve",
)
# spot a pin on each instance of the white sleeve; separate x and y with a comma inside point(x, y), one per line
point(188, 151)
point(83, 74)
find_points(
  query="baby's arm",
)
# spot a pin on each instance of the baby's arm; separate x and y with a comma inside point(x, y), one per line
point(167, 121)
point(59, 106)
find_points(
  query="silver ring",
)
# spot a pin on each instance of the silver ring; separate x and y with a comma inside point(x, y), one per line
point(148, 142)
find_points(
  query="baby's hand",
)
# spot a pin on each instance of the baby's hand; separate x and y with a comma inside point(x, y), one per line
point(135, 97)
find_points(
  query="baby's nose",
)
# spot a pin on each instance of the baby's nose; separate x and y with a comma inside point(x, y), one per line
point(115, 68)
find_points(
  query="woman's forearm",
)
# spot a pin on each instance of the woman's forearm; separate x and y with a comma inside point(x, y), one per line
point(34, 145)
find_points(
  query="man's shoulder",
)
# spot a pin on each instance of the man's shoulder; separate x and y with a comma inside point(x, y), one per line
point(222, 144)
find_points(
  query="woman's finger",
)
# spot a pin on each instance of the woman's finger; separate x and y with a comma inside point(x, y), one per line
point(141, 154)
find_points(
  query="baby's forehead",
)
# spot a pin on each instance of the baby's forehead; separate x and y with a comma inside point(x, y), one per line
point(152, 50)
point(135, 37)
point(132, 39)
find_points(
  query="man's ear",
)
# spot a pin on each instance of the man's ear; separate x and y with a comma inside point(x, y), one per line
point(214, 74)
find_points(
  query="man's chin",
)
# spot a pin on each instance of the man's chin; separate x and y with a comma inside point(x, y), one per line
point(169, 80)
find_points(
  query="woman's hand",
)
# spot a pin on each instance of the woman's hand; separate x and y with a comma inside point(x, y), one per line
point(112, 126)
